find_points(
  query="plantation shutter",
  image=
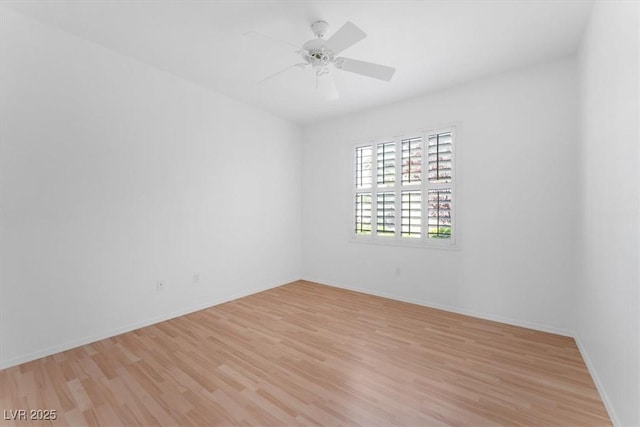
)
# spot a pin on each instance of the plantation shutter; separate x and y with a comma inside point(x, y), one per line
point(404, 189)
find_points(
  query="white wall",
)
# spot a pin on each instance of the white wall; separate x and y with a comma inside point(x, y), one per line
point(115, 174)
point(608, 295)
point(517, 201)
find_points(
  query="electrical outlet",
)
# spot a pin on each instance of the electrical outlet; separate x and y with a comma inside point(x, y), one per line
point(160, 285)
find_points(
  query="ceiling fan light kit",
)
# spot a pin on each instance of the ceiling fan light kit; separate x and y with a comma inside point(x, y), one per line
point(320, 54)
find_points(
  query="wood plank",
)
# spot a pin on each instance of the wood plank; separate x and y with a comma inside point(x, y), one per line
point(309, 354)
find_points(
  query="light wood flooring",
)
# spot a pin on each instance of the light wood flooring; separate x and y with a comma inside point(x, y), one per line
point(307, 354)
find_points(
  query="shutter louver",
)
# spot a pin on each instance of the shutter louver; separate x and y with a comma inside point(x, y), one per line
point(412, 161)
point(363, 213)
point(439, 158)
point(411, 214)
point(439, 214)
point(364, 160)
point(386, 213)
point(386, 158)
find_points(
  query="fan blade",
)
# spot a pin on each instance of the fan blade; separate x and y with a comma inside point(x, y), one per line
point(327, 87)
point(370, 69)
point(345, 37)
point(259, 36)
point(300, 65)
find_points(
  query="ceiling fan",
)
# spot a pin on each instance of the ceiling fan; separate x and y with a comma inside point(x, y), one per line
point(322, 55)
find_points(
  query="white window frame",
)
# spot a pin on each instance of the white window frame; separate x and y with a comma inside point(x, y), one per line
point(425, 186)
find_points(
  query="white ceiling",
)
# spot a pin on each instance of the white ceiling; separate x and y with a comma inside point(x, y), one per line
point(432, 44)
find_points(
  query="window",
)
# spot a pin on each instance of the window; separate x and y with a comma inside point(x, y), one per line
point(404, 189)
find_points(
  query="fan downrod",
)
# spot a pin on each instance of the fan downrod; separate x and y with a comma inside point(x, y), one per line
point(319, 28)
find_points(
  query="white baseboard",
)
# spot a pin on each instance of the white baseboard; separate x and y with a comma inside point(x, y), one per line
point(4, 364)
point(457, 310)
point(509, 321)
point(603, 394)
point(137, 325)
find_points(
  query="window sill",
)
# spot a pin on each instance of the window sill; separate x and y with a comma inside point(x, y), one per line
point(449, 245)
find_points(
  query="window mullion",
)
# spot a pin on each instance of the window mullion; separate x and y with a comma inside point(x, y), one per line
point(374, 190)
point(398, 190)
point(424, 185)
point(427, 185)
